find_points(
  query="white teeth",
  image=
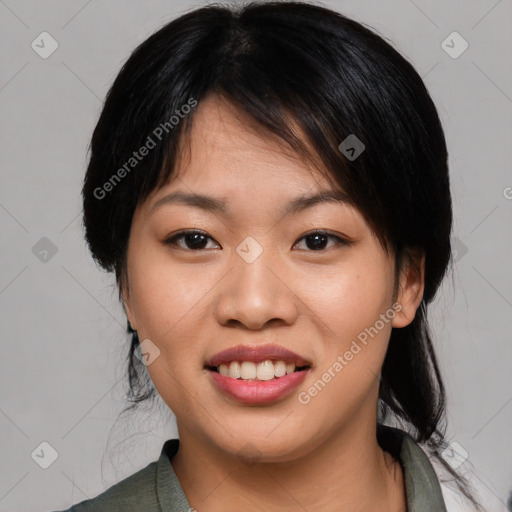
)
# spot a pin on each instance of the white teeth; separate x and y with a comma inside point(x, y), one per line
point(247, 370)
point(279, 368)
point(234, 370)
point(290, 368)
point(265, 370)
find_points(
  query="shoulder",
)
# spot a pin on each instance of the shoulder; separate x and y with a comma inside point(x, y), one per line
point(134, 493)
point(426, 476)
point(422, 487)
point(152, 489)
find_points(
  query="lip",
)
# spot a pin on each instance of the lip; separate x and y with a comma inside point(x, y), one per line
point(258, 391)
point(257, 354)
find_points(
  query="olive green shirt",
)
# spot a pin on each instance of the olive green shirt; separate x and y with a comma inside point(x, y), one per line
point(156, 488)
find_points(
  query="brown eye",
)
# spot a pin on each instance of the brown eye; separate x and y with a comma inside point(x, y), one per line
point(317, 240)
point(194, 240)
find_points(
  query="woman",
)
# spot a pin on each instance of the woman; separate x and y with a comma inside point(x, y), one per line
point(269, 184)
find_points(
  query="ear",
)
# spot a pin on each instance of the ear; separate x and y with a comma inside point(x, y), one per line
point(410, 287)
point(127, 307)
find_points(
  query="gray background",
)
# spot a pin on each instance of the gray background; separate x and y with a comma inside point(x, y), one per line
point(62, 370)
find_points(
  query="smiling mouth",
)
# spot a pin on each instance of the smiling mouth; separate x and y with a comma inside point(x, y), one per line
point(257, 371)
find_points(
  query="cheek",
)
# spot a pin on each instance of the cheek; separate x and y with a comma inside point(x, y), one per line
point(355, 337)
point(170, 302)
point(349, 305)
point(166, 297)
point(350, 299)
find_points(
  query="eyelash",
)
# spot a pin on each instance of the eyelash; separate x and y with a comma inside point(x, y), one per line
point(172, 240)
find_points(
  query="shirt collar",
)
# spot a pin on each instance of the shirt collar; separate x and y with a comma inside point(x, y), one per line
point(422, 486)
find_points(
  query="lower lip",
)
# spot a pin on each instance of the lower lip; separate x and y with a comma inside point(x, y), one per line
point(258, 391)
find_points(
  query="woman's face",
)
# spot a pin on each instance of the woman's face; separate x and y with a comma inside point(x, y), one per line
point(254, 279)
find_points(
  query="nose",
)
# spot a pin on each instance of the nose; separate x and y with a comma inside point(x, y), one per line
point(255, 295)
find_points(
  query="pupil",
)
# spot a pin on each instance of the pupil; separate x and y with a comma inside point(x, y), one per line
point(316, 245)
point(194, 240)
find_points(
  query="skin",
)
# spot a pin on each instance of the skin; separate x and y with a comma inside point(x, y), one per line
point(192, 303)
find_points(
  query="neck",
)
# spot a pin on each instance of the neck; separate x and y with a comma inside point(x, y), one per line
point(349, 471)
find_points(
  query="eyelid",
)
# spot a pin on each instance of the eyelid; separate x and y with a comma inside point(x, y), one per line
point(342, 240)
point(169, 240)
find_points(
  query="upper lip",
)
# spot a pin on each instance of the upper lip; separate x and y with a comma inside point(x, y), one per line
point(257, 354)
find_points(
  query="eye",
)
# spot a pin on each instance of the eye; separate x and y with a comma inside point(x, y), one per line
point(193, 238)
point(196, 240)
point(317, 239)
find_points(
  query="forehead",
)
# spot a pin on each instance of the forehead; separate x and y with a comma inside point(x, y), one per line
point(230, 166)
point(226, 144)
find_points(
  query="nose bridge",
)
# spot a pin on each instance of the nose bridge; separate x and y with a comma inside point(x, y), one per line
point(254, 292)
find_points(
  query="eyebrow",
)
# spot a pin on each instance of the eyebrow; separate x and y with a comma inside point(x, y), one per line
point(212, 204)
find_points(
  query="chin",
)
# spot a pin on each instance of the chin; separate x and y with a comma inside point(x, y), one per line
point(252, 445)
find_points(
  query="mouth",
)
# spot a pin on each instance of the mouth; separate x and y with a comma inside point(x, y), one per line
point(265, 370)
point(260, 362)
point(257, 374)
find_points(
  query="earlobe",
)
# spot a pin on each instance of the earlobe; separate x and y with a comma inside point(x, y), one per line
point(411, 286)
point(128, 311)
